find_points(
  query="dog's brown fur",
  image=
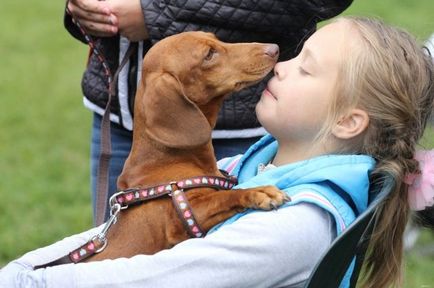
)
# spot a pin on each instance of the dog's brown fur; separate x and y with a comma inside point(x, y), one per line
point(185, 79)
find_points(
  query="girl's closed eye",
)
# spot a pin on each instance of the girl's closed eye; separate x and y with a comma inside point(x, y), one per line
point(303, 71)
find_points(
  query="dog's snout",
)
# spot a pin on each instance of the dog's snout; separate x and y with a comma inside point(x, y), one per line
point(272, 50)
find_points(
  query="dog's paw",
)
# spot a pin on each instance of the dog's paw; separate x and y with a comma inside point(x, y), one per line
point(266, 198)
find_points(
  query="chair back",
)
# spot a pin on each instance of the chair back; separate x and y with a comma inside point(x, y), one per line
point(352, 243)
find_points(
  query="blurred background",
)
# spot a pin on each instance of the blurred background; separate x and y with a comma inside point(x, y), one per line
point(45, 130)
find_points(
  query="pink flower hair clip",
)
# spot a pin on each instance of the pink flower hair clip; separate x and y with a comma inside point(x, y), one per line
point(421, 186)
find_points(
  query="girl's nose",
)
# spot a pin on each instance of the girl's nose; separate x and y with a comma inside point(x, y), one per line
point(279, 69)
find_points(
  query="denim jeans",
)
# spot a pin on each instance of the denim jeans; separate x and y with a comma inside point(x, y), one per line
point(121, 145)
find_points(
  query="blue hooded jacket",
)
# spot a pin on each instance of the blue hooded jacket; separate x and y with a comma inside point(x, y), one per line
point(337, 183)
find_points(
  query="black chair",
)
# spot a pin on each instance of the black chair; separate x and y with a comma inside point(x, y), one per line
point(352, 243)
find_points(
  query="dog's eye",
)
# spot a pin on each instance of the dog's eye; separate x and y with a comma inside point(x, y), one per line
point(210, 54)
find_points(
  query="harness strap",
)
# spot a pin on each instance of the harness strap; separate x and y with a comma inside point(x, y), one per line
point(135, 195)
point(185, 213)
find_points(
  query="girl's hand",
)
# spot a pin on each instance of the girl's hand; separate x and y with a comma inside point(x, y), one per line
point(95, 17)
point(129, 15)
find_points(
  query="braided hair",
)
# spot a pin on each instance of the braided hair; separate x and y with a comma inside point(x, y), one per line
point(390, 77)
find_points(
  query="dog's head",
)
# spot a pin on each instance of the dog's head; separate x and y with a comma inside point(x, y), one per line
point(185, 78)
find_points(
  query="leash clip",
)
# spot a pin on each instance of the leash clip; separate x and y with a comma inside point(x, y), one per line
point(102, 236)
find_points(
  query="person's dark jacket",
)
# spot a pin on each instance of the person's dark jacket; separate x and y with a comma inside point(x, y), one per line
point(284, 22)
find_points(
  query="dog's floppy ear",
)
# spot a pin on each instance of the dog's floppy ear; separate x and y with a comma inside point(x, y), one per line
point(170, 117)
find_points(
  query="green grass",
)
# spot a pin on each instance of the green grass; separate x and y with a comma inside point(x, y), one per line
point(419, 262)
point(414, 15)
point(44, 139)
point(45, 131)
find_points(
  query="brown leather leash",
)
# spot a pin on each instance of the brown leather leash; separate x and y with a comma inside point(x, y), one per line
point(123, 199)
point(105, 139)
point(105, 145)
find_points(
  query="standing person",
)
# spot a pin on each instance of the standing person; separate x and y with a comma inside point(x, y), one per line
point(350, 107)
point(115, 22)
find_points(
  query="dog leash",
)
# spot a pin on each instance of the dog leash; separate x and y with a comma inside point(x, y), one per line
point(105, 144)
point(105, 138)
point(123, 199)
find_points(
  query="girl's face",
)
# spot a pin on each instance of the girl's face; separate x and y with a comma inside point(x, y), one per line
point(294, 105)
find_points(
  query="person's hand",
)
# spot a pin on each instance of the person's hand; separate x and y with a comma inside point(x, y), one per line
point(95, 17)
point(129, 15)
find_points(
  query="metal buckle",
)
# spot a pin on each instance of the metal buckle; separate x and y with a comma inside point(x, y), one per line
point(113, 201)
point(171, 183)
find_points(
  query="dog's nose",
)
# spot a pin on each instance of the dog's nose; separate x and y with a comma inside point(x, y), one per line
point(272, 50)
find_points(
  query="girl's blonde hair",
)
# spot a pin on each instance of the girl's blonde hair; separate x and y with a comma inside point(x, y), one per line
point(390, 77)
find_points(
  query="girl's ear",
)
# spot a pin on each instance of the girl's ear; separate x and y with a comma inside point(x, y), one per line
point(352, 124)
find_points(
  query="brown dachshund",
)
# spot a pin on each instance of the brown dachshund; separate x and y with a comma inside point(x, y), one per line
point(185, 79)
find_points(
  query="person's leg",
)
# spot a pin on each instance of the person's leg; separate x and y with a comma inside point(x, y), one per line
point(121, 140)
point(231, 147)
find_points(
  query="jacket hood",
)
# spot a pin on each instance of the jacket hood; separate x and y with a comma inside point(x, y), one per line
point(330, 169)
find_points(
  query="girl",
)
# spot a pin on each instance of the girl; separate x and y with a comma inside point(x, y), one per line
point(351, 105)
